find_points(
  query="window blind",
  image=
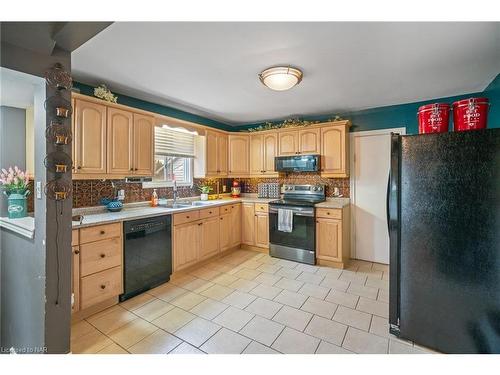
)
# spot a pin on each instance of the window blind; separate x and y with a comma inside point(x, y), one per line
point(169, 142)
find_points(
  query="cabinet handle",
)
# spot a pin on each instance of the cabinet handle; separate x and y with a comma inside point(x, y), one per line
point(103, 255)
point(102, 232)
point(131, 169)
point(200, 223)
point(103, 286)
point(77, 252)
point(135, 169)
point(187, 217)
point(209, 212)
point(328, 213)
point(79, 167)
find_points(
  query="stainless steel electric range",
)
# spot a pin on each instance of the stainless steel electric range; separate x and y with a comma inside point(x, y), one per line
point(292, 224)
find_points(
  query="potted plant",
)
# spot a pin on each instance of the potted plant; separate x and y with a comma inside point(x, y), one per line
point(15, 184)
point(205, 189)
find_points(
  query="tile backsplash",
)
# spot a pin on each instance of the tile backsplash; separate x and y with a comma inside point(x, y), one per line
point(249, 185)
point(87, 193)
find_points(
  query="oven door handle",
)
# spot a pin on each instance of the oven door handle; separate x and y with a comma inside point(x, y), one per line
point(295, 212)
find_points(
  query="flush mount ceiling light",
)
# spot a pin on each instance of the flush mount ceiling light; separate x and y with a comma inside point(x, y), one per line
point(280, 78)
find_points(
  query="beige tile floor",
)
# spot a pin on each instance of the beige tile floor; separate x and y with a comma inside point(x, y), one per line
point(248, 302)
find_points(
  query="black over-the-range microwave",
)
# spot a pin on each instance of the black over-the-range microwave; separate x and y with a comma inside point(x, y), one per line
point(297, 163)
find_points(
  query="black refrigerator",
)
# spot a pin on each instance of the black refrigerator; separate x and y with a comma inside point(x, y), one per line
point(443, 206)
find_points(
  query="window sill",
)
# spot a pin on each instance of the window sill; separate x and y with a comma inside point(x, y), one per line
point(161, 184)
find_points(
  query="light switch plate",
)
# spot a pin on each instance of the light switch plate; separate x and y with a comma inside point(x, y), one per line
point(39, 190)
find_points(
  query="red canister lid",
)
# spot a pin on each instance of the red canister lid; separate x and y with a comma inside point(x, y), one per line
point(468, 101)
point(433, 106)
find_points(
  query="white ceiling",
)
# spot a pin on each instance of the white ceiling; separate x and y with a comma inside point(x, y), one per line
point(211, 68)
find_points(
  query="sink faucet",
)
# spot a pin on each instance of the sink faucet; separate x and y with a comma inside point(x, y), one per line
point(175, 191)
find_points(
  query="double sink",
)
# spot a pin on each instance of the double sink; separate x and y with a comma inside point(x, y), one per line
point(190, 204)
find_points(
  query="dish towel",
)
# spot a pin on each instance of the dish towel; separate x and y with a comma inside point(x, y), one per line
point(285, 220)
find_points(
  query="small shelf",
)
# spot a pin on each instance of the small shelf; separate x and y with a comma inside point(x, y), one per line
point(24, 226)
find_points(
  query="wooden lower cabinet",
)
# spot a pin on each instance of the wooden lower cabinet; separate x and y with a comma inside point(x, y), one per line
point(75, 279)
point(187, 241)
point(209, 237)
point(225, 232)
point(262, 229)
point(235, 221)
point(100, 286)
point(248, 224)
point(97, 274)
point(332, 236)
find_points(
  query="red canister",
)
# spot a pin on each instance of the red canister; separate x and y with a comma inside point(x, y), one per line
point(470, 114)
point(433, 118)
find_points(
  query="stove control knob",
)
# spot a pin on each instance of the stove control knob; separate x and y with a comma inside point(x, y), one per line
point(315, 188)
point(320, 188)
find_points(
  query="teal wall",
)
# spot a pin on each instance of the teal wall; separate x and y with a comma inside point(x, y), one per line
point(156, 108)
point(394, 116)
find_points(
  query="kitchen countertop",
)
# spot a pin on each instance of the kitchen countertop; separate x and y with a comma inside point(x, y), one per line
point(99, 215)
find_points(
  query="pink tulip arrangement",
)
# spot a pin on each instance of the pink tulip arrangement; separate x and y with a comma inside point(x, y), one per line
point(14, 179)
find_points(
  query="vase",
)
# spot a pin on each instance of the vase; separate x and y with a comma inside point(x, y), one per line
point(16, 206)
point(204, 197)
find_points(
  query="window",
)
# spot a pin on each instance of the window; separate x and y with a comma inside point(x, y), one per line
point(174, 153)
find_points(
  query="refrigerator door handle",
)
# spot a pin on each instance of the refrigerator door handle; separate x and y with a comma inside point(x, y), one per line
point(387, 203)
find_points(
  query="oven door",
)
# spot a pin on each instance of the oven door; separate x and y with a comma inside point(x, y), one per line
point(303, 235)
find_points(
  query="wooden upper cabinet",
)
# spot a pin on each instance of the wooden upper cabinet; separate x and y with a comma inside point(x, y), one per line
point(222, 148)
point(309, 141)
point(329, 239)
point(239, 147)
point(288, 143)
point(263, 150)
point(212, 165)
point(334, 151)
point(120, 141)
point(216, 154)
point(143, 158)
point(270, 148)
point(90, 137)
point(256, 155)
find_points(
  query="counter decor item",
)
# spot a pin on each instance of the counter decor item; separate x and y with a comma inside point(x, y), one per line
point(204, 190)
point(102, 92)
point(290, 123)
point(433, 118)
point(114, 206)
point(470, 114)
point(15, 186)
point(235, 189)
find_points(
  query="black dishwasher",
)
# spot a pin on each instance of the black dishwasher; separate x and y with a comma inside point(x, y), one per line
point(147, 253)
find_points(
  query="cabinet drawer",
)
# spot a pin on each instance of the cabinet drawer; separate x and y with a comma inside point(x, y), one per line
point(186, 217)
point(331, 213)
point(100, 255)
point(209, 212)
point(75, 237)
point(261, 207)
point(225, 209)
point(100, 232)
point(100, 287)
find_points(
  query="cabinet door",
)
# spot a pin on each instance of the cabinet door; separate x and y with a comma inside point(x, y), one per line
point(248, 224)
point(288, 143)
point(144, 145)
point(262, 230)
point(225, 231)
point(186, 245)
point(212, 164)
point(222, 154)
point(75, 279)
point(209, 237)
point(270, 148)
point(309, 141)
point(120, 145)
point(329, 239)
point(239, 154)
point(256, 155)
point(90, 137)
point(334, 149)
point(235, 225)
